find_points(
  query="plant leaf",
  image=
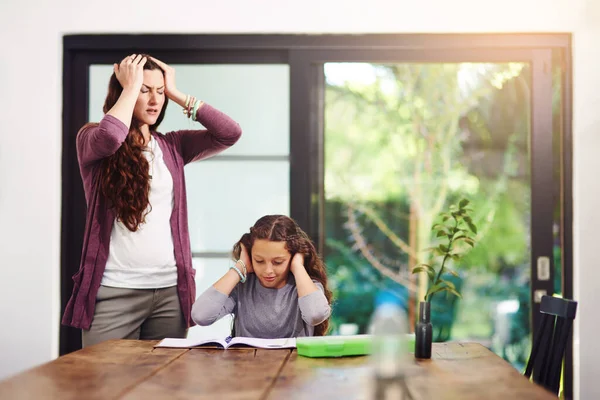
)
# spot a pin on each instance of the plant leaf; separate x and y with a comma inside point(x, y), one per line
point(470, 224)
point(463, 203)
point(436, 251)
point(448, 283)
point(465, 239)
point(451, 272)
point(443, 248)
point(472, 227)
point(425, 268)
point(434, 289)
point(453, 291)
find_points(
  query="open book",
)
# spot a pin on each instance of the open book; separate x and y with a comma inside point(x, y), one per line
point(286, 343)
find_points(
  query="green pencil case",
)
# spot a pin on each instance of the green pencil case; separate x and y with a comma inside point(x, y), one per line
point(334, 346)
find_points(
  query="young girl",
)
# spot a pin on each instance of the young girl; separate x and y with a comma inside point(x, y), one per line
point(277, 287)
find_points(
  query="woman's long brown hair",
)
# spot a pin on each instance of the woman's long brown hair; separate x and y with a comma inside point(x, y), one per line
point(280, 228)
point(125, 175)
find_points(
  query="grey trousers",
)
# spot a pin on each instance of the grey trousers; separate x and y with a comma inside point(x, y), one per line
point(146, 314)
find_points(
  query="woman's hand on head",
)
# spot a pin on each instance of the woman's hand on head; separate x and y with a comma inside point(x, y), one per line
point(130, 72)
point(170, 86)
point(245, 257)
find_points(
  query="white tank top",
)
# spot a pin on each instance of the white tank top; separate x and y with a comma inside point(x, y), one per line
point(145, 259)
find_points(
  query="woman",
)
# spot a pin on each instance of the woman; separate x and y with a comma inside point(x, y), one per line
point(277, 287)
point(136, 279)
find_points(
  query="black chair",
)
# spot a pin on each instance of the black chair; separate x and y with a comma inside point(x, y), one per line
point(550, 342)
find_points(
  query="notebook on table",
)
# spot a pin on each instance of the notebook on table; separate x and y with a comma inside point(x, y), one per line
point(239, 341)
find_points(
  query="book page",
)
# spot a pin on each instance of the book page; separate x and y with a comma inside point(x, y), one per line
point(284, 343)
point(188, 343)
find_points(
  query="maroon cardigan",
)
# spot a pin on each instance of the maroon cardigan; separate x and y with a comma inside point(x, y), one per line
point(95, 143)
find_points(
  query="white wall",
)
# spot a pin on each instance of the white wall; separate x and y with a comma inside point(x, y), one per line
point(30, 152)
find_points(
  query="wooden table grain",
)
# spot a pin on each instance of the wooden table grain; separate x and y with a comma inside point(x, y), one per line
point(128, 369)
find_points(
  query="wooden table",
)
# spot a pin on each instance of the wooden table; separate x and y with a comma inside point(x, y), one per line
point(127, 369)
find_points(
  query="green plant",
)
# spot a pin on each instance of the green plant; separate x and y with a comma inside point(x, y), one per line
point(456, 230)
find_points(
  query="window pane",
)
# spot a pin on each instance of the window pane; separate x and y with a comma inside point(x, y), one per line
point(208, 271)
point(225, 198)
point(98, 87)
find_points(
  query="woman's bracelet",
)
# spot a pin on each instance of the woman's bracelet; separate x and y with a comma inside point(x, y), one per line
point(191, 106)
point(186, 107)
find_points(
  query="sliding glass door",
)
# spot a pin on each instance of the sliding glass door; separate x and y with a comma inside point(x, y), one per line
point(403, 142)
point(402, 136)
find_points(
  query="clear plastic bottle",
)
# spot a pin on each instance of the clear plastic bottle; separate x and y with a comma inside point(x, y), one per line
point(389, 353)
